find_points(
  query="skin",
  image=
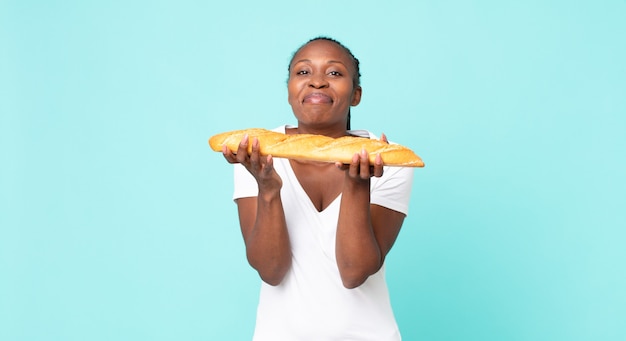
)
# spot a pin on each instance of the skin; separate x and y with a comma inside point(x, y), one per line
point(320, 91)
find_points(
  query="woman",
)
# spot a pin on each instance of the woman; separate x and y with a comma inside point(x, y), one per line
point(318, 233)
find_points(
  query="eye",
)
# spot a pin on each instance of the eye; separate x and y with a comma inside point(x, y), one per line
point(335, 73)
point(302, 72)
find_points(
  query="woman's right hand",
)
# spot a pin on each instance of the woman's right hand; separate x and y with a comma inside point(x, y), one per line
point(262, 168)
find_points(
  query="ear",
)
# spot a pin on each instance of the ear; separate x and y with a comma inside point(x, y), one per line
point(356, 96)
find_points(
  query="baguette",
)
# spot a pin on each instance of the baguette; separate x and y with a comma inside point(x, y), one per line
point(317, 147)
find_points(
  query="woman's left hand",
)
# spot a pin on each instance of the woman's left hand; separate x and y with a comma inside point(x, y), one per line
point(360, 167)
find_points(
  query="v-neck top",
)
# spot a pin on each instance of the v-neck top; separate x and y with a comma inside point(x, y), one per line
point(311, 302)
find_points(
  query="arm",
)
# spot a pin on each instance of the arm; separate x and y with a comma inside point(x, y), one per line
point(261, 218)
point(365, 232)
point(265, 235)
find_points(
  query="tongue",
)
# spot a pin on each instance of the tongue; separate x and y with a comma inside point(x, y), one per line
point(317, 99)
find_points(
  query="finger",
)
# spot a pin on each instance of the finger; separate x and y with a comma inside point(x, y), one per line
point(378, 166)
point(242, 150)
point(228, 155)
point(383, 138)
point(269, 165)
point(342, 166)
point(254, 155)
point(353, 170)
point(364, 165)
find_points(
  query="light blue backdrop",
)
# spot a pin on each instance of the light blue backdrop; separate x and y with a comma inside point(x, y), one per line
point(116, 221)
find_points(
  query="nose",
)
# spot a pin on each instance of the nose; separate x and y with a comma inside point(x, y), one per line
point(318, 81)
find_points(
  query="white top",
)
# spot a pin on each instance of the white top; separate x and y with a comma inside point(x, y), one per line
point(311, 303)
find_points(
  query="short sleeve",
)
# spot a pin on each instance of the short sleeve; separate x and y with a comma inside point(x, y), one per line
point(244, 183)
point(393, 189)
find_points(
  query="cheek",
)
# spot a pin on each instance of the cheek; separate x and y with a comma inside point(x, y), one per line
point(347, 91)
point(292, 92)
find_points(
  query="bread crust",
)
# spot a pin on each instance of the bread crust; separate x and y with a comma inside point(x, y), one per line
point(317, 147)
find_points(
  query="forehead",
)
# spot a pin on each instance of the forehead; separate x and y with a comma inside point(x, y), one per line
point(323, 49)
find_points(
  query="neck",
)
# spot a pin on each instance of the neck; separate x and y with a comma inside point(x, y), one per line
point(334, 130)
point(335, 133)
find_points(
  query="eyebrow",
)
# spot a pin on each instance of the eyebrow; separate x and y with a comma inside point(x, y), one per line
point(329, 62)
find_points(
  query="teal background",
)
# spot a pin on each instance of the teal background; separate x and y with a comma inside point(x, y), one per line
point(116, 219)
